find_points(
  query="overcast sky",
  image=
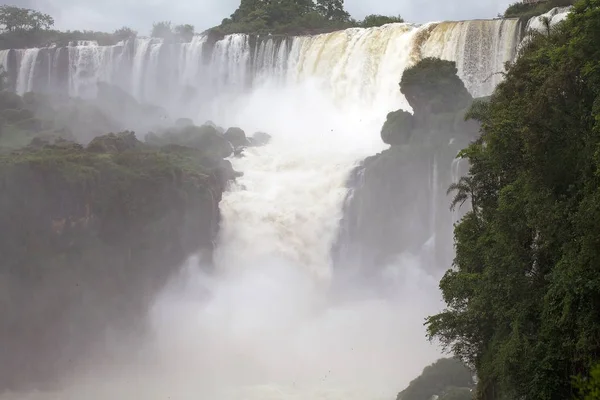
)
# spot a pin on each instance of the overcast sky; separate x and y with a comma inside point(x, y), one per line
point(108, 15)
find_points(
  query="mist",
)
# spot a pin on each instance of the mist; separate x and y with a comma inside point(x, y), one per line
point(265, 323)
point(266, 333)
point(272, 317)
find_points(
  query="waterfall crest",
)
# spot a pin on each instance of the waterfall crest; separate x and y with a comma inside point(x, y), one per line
point(356, 67)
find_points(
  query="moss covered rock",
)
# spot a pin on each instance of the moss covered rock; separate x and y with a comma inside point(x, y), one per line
point(114, 143)
point(260, 139)
point(236, 136)
point(205, 138)
point(89, 236)
point(432, 86)
point(398, 128)
point(398, 204)
point(447, 378)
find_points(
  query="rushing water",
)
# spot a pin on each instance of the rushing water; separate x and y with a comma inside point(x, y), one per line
point(263, 326)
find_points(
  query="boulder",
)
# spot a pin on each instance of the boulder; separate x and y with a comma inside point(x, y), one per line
point(114, 143)
point(260, 139)
point(236, 136)
point(184, 122)
point(398, 128)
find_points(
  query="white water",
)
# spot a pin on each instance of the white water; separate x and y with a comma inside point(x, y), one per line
point(264, 327)
point(357, 66)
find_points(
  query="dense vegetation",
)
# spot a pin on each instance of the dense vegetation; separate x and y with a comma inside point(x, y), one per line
point(23, 28)
point(448, 378)
point(523, 299)
point(529, 10)
point(295, 17)
point(94, 224)
point(26, 28)
point(89, 235)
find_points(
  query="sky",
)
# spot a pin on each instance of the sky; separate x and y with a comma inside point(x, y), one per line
point(108, 15)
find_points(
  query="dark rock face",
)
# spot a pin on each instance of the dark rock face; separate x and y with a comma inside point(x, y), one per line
point(398, 202)
point(237, 137)
point(398, 128)
point(89, 237)
point(260, 139)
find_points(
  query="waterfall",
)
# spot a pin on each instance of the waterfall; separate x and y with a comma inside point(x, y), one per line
point(264, 326)
point(4, 59)
point(358, 67)
point(479, 48)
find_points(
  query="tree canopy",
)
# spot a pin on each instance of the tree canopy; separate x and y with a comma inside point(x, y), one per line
point(523, 298)
point(447, 378)
point(295, 17)
point(374, 20)
point(25, 28)
point(23, 19)
point(529, 10)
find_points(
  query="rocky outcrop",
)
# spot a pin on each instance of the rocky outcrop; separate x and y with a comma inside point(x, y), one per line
point(398, 203)
point(446, 379)
point(89, 236)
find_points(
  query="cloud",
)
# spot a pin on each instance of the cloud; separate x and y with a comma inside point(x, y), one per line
point(108, 15)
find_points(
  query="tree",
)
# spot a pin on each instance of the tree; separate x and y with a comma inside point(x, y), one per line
point(124, 33)
point(375, 20)
point(524, 294)
point(185, 32)
point(332, 10)
point(589, 388)
point(442, 377)
point(23, 19)
point(162, 30)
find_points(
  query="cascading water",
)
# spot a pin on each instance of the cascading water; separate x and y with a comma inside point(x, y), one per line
point(264, 327)
point(350, 63)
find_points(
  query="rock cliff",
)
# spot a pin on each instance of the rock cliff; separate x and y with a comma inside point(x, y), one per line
point(398, 203)
point(89, 235)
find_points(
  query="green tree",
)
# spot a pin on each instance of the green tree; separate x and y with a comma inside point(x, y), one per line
point(332, 10)
point(185, 32)
point(589, 387)
point(442, 377)
point(524, 294)
point(23, 19)
point(124, 33)
point(374, 20)
point(162, 29)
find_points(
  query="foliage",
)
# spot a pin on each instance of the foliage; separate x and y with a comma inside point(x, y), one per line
point(374, 20)
point(443, 378)
point(185, 32)
point(24, 28)
point(457, 394)
point(398, 128)
point(15, 19)
point(91, 235)
point(294, 17)
point(589, 387)
point(162, 29)
point(124, 33)
point(205, 138)
point(523, 298)
point(433, 86)
point(165, 30)
point(332, 10)
point(530, 10)
point(438, 98)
